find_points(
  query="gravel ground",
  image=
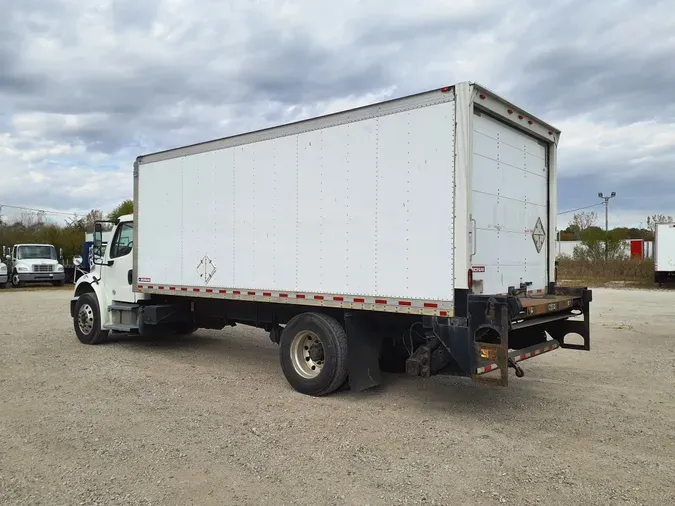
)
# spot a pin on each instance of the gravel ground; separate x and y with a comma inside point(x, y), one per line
point(209, 419)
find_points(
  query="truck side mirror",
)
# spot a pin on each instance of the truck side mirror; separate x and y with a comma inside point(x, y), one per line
point(98, 235)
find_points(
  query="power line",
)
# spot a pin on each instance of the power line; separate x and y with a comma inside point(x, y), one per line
point(581, 208)
point(22, 208)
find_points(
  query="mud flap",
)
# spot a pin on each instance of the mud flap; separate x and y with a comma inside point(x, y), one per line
point(363, 350)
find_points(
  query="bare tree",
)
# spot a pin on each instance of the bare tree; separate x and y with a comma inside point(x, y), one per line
point(654, 219)
point(582, 221)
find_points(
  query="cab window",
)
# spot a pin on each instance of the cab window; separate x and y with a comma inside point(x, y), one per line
point(123, 242)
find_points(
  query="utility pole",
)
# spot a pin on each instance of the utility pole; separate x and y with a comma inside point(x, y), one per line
point(606, 199)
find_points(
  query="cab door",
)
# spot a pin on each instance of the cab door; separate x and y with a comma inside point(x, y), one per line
point(119, 272)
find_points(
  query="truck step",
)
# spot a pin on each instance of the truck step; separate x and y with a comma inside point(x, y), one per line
point(116, 306)
point(120, 327)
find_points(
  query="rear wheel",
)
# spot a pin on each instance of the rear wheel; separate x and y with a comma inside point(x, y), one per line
point(314, 354)
point(87, 320)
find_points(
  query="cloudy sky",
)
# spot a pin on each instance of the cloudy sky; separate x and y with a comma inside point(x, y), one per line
point(86, 86)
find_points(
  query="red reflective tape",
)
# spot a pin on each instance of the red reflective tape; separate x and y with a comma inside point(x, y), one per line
point(183, 289)
point(222, 291)
point(251, 293)
point(195, 289)
point(267, 294)
point(160, 288)
point(318, 297)
point(338, 299)
point(172, 288)
point(430, 305)
point(209, 290)
point(151, 286)
point(237, 292)
point(380, 301)
point(360, 301)
point(140, 286)
point(404, 303)
point(283, 295)
point(299, 296)
point(443, 313)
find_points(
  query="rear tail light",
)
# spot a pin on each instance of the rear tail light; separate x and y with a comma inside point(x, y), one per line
point(470, 279)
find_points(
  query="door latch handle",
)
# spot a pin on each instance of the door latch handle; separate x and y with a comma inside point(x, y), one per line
point(473, 236)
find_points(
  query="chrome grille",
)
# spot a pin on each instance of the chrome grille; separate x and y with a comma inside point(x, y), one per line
point(43, 268)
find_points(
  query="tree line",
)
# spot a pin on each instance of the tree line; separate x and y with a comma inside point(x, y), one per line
point(31, 227)
point(586, 224)
point(598, 244)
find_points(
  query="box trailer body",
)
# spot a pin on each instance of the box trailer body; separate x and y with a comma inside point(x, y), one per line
point(664, 253)
point(433, 209)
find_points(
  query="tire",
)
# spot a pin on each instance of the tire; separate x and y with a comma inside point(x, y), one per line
point(301, 357)
point(87, 304)
point(16, 281)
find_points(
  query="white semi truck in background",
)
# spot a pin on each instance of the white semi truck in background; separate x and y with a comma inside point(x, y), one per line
point(409, 235)
point(664, 253)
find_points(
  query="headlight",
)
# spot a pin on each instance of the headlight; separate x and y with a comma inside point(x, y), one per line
point(77, 260)
point(22, 268)
point(59, 268)
point(3, 268)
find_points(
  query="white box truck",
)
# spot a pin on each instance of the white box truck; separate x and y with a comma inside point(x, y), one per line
point(664, 253)
point(409, 235)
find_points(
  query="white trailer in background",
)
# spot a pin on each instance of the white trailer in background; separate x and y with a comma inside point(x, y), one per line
point(664, 253)
point(411, 234)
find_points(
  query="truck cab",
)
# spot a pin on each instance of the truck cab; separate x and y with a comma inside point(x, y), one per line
point(104, 299)
point(34, 263)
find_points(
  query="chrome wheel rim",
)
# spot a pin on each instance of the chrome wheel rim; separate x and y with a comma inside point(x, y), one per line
point(85, 319)
point(307, 354)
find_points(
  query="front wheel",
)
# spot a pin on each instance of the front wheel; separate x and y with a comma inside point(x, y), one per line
point(313, 349)
point(87, 320)
point(16, 280)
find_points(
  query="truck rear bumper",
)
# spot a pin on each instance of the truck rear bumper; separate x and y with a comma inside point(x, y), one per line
point(499, 331)
point(519, 356)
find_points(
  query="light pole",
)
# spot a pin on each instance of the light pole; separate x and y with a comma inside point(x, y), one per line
point(606, 199)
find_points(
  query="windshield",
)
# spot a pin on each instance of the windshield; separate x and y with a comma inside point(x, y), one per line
point(36, 253)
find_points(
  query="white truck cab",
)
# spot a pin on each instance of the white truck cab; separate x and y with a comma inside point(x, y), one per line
point(108, 286)
point(34, 263)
